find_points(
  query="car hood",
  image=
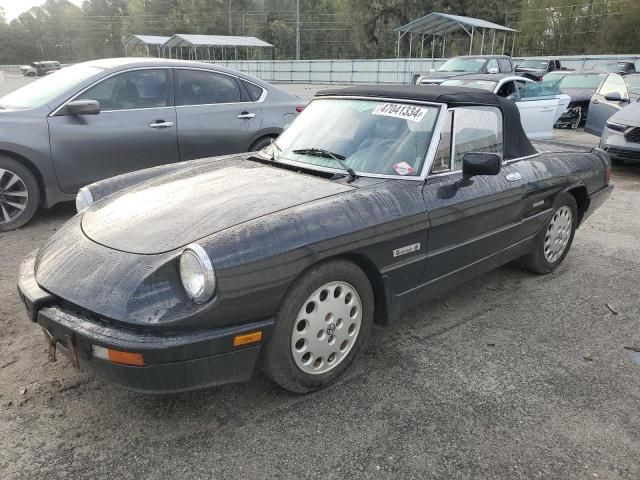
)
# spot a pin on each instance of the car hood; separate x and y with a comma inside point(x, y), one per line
point(530, 70)
point(629, 115)
point(173, 210)
point(579, 94)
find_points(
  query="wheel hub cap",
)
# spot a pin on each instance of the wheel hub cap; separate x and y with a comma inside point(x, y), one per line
point(13, 196)
point(326, 328)
point(558, 233)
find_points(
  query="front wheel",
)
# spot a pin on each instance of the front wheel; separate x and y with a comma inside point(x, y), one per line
point(554, 240)
point(260, 144)
point(321, 326)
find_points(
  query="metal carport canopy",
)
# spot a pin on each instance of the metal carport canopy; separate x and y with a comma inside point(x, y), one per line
point(192, 41)
point(443, 23)
point(145, 40)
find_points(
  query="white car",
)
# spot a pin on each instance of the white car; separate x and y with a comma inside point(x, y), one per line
point(539, 107)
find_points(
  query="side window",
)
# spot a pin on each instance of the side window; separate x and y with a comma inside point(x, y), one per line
point(492, 64)
point(199, 87)
point(442, 160)
point(135, 89)
point(505, 65)
point(476, 129)
point(255, 92)
point(614, 84)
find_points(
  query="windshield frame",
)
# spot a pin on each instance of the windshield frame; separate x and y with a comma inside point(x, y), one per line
point(428, 159)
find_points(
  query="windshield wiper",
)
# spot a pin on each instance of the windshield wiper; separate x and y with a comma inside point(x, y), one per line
point(321, 152)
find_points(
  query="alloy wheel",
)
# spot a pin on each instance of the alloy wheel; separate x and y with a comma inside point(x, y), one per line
point(558, 234)
point(326, 328)
point(14, 196)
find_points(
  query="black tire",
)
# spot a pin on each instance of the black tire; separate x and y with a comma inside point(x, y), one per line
point(260, 144)
point(278, 362)
point(537, 261)
point(9, 168)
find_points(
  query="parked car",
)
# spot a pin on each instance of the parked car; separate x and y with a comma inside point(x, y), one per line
point(38, 69)
point(536, 68)
point(614, 93)
point(621, 135)
point(539, 107)
point(201, 271)
point(622, 68)
point(490, 64)
point(99, 119)
point(580, 86)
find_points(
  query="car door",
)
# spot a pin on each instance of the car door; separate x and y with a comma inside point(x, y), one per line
point(215, 114)
point(537, 109)
point(135, 129)
point(608, 99)
point(471, 220)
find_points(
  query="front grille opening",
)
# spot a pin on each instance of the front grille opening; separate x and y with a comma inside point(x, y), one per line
point(633, 135)
point(297, 169)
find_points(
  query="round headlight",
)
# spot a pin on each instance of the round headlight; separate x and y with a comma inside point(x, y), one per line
point(196, 273)
point(84, 199)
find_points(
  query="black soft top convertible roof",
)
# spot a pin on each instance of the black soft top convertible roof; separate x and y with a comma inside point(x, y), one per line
point(516, 142)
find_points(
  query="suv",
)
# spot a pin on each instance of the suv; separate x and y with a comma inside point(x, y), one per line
point(456, 66)
point(536, 68)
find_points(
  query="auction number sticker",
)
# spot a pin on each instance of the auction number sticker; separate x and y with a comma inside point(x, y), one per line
point(399, 110)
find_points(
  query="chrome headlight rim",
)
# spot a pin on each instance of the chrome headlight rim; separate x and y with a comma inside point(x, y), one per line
point(205, 293)
point(84, 199)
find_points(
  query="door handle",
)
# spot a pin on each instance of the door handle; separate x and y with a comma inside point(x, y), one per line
point(513, 177)
point(547, 109)
point(160, 124)
point(246, 115)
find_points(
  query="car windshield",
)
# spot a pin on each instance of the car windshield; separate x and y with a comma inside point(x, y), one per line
point(611, 67)
point(534, 64)
point(582, 80)
point(373, 136)
point(482, 84)
point(42, 91)
point(463, 64)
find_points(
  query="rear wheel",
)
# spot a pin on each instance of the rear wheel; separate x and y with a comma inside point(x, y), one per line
point(19, 194)
point(554, 241)
point(321, 326)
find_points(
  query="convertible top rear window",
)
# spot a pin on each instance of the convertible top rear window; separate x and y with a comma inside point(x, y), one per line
point(374, 136)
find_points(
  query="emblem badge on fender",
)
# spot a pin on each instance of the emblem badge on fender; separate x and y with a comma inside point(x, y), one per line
point(408, 249)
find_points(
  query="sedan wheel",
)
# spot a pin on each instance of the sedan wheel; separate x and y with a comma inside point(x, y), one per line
point(19, 194)
point(322, 324)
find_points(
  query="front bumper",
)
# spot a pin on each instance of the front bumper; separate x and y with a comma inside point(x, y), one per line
point(173, 362)
point(617, 146)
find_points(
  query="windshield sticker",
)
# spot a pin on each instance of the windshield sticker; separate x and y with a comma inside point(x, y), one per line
point(398, 110)
point(403, 168)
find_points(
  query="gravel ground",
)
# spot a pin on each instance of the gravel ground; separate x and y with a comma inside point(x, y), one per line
point(511, 376)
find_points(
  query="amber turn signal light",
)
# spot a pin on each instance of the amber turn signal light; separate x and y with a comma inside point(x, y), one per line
point(118, 356)
point(247, 338)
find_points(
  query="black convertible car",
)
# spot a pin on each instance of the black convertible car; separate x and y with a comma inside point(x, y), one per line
point(373, 200)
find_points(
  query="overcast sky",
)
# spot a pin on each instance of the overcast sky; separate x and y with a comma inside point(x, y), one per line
point(13, 8)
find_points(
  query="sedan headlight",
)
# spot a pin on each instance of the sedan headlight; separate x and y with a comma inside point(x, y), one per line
point(84, 199)
point(618, 127)
point(196, 273)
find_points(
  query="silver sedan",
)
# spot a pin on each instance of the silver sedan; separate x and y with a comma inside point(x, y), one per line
point(99, 119)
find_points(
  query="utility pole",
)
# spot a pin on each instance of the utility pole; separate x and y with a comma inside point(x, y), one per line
point(230, 32)
point(297, 29)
